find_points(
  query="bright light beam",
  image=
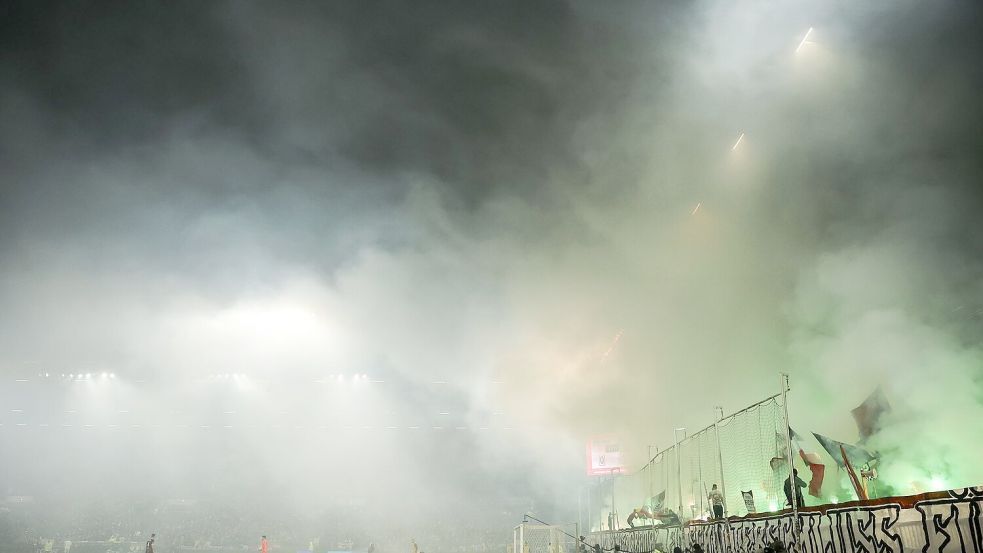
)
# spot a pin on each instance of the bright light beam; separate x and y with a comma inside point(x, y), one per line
point(738, 143)
point(809, 32)
point(697, 208)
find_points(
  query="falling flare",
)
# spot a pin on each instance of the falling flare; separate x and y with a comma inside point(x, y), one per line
point(738, 143)
point(617, 338)
point(809, 32)
point(697, 208)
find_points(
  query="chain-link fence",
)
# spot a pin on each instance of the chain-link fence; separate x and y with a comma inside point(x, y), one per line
point(541, 538)
point(743, 454)
point(753, 446)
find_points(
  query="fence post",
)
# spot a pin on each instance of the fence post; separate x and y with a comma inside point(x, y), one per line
point(720, 459)
point(725, 539)
point(580, 507)
point(590, 507)
point(614, 512)
point(791, 469)
point(679, 474)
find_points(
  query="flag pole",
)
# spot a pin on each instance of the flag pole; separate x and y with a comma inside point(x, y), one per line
point(791, 469)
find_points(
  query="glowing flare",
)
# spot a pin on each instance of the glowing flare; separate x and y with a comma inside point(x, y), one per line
point(738, 143)
point(614, 343)
point(697, 208)
point(809, 32)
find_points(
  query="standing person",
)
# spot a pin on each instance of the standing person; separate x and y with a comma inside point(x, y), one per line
point(150, 544)
point(413, 547)
point(264, 545)
point(716, 502)
point(799, 484)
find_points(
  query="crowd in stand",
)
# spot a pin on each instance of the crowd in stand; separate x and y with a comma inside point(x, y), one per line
point(126, 527)
point(177, 526)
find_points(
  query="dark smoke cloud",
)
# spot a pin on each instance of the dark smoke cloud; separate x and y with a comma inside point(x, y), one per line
point(491, 192)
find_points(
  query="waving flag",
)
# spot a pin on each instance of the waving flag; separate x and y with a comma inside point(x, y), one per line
point(855, 454)
point(814, 463)
point(867, 415)
point(657, 502)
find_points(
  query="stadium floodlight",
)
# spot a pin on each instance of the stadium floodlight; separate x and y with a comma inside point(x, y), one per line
point(112, 375)
point(105, 375)
point(88, 375)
